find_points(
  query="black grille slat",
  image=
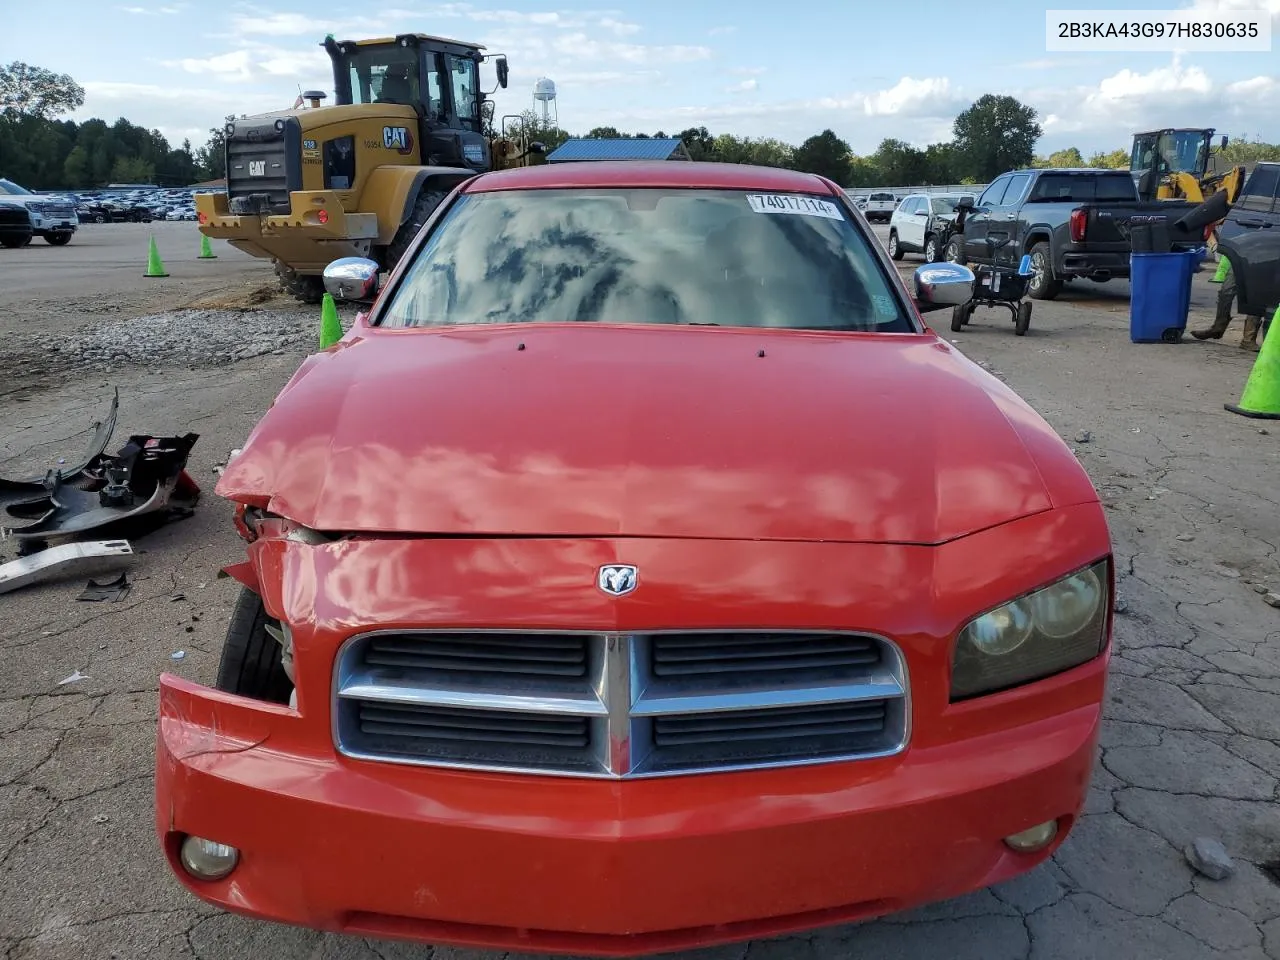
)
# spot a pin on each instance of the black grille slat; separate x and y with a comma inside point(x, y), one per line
point(535, 655)
point(685, 655)
point(477, 726)
point(774, 724)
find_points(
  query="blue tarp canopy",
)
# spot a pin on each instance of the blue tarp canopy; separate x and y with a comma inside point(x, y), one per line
point(629, 148)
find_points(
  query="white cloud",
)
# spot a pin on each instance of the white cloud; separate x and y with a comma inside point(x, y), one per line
point(721, 31)
point(1117, 106)
point(748, 71)
point(927, 97)
point(746, 86)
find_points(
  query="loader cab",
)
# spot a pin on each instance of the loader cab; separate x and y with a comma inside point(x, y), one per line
point(438, 78)
point(1158, 153)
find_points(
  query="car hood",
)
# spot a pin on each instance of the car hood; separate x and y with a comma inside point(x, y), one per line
point(575, 430)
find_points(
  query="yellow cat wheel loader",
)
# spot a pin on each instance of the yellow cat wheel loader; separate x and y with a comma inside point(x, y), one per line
point(360, 178)
point(1181, 164)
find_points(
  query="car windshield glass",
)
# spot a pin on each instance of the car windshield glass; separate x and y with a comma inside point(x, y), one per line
point(719, 257)
point(1082, 188)
point(12, 189)
point(943, 204)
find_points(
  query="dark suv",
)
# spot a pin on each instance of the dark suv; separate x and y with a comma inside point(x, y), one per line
point(1258, 207)
point(1250, 240)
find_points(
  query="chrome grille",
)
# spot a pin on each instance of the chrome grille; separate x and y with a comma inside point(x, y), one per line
point(619, 705)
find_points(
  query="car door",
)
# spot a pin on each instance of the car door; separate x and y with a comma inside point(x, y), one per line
point(908, 234)
point(977, 225)
point(1005, 224)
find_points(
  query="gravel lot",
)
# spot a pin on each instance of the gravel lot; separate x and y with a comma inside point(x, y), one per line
point(1191, 748)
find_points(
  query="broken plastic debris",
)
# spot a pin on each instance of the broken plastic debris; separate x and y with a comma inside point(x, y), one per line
point(112, 590)
point(178, 655)
point(100, 818)
point(75, 677)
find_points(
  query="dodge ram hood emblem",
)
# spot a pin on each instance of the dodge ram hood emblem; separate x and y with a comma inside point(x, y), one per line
point(617, 579)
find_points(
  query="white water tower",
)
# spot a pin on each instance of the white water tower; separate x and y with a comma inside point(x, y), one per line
point(544, 93)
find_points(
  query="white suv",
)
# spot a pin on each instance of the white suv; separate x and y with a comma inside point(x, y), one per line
point(53, 218)
point(915, 225)
point(879, 206)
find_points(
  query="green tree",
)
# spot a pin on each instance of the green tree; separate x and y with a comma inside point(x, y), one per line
point(606, 133)
point(996, 134)
point(76, 167)
point(37, 92)
point(547, 134)
point(826, 155)
point(132, 170)
point(1243, 150)
point(898, 162)
point(1115, 160)
point(699, 142)
point(1068, 157)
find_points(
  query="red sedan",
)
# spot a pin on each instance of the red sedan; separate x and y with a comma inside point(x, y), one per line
point(640, 573)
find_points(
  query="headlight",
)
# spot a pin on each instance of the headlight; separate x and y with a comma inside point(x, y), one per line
point(1034, 636)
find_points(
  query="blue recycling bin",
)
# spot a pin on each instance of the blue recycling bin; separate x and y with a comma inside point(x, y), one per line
point(1160, 295)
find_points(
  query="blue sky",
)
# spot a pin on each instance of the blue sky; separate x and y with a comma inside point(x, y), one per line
point(756, 68)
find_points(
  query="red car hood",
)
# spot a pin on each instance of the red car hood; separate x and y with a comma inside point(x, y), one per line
point(576, 431)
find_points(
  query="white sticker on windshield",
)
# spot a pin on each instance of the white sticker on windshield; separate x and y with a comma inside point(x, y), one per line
point(805, 206)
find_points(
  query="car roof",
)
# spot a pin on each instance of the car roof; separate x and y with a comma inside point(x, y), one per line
point(654, 173)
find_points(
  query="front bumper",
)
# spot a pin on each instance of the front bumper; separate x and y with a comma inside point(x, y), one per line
point(566, 865)
point(297, 238)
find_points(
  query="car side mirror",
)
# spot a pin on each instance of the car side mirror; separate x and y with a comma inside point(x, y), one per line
point(939, 285)
point(501, 66)
point(1222, 144)
point(965, 203)
point(351, 278)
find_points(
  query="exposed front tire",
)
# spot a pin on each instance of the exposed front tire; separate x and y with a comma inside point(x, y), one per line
point(57, 239)
point(1044, 285)
point(423, 207)
point(304, 288)
point(252, 663)
point(895, 248)
point(931, 249)
point(954, 252)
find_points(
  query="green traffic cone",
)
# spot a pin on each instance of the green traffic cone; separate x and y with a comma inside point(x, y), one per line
point(1261, 396)
point(206, 251)
point(154, 267)
point(1224, 267)
point(330, 328)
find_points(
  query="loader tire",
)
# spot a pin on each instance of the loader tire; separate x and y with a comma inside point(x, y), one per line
point(252, 663)
point(305, 288)
point(423, 207)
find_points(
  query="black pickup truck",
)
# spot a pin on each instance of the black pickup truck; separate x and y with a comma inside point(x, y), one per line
point(1073, 223)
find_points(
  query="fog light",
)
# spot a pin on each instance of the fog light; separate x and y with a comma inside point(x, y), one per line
point(323, 216)
point(1036, 838)
point(206, 859)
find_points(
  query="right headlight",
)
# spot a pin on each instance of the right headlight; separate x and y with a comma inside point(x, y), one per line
point(1034, 636)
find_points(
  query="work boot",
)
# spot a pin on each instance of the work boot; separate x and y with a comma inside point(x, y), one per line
point(1249, 338)
point(1222, 318)
point(1215, 330)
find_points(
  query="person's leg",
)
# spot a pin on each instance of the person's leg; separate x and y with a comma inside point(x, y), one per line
point(1226, 297)
point(1249, 339)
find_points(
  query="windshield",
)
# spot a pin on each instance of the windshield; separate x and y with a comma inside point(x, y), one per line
point(944, 204)
point(715, 257)
point(12, 189)
point(1083, 188)
point(1183, 152)
point(389, 74)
